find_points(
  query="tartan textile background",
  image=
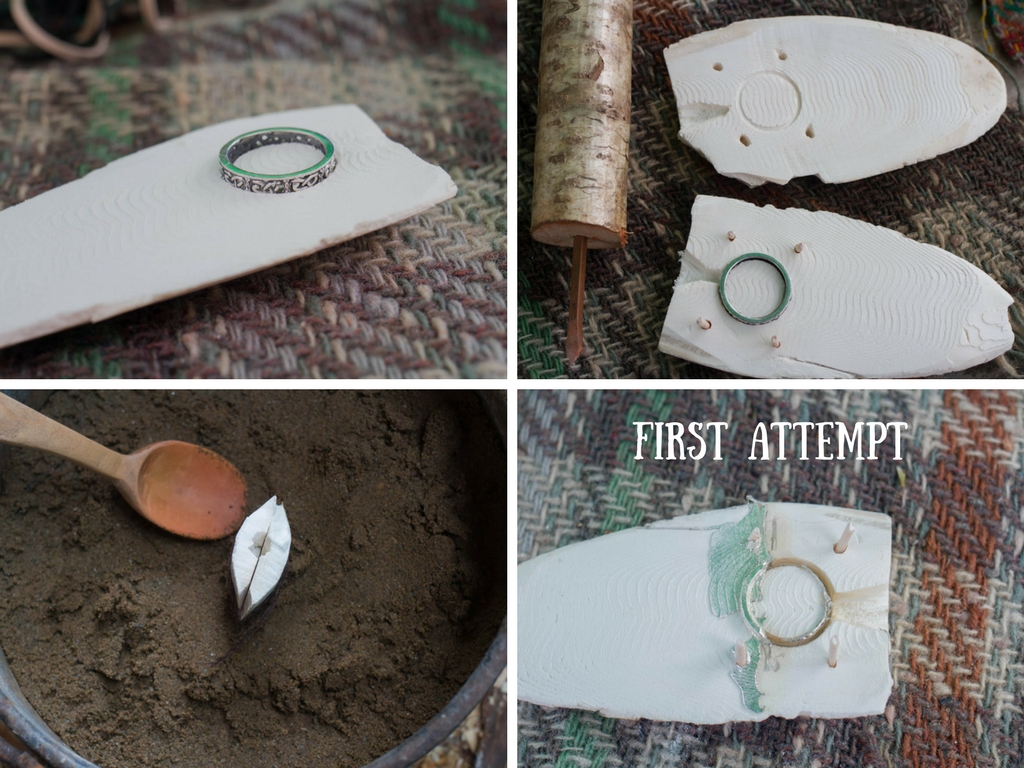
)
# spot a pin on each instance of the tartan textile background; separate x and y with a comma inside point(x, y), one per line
point(1007, 19)
point(969, 201)
point(423, 298)
point(957, 582)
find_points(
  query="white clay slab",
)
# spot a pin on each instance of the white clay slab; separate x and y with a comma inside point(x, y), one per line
point(162, 222)
point(645, 623)
point(840, 98)
point(866, 301)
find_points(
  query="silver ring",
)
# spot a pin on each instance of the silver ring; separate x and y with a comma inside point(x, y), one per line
point(828, 595)
point(279, 183)
point(788, 288)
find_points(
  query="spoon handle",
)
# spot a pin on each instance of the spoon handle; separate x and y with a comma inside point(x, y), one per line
point(20, 425)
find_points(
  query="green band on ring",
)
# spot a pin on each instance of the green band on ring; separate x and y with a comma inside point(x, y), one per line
point(755, 257)
point(276, 183)
point(254, 139)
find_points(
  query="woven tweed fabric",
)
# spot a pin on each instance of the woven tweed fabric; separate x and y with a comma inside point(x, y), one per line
point(957, 582)
point(1007, 20)
point(422, 298)
point(970, 201)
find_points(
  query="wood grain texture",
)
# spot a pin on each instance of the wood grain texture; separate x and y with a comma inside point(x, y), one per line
point(840, 98)
point(161, 222)
point(28, 428)
point(583, 109)
point(866, 301)
point(623, 623)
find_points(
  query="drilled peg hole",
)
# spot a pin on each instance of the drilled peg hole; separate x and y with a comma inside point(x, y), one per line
point(718, 66)
point(782, 56)
point(744, 140)
point(809, 132)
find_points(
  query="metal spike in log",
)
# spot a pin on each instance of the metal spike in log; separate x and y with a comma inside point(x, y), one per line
point(582, 146)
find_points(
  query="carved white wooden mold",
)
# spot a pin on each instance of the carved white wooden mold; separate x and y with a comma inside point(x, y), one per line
point(668, 622)
point(260, 555)
point(840, 98)
point(864, 301)
point(162, 222)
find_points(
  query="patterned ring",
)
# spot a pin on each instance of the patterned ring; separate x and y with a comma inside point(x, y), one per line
point(280, 183)
point(828, 596)
point(788, 288)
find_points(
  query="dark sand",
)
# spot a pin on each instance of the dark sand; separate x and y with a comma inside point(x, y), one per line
point(395, 585)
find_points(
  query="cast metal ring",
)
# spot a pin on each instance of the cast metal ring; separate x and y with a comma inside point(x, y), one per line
point(828, 592)
point(276, 183)
point(764, 318)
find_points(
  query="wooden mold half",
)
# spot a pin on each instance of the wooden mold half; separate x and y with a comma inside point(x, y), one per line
point(259, 555)
point(626, 623)
point(840, 98)
point(866, 301)
point(162, 222)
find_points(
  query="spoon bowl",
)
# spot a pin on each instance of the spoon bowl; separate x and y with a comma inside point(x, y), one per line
point(186, 489)
point(183, 488)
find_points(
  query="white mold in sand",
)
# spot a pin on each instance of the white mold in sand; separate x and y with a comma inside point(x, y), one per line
point(260, 554)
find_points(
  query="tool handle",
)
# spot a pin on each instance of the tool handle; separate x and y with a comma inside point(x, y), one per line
point(20, 425)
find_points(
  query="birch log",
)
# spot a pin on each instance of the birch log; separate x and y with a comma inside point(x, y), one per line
point(582, 141)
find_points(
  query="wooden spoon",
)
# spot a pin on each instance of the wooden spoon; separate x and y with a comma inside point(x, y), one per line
point(183, 488)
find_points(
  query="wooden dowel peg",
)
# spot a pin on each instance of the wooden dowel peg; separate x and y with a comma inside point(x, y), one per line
point(798, 248)
point(574, 333)
point(742, 659)
point(833, 651)
point(775, 342)
point(844, 540)
point(731, 235)
point(705, 325)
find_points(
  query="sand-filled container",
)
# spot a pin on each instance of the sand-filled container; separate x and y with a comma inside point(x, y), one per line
point(394, 592)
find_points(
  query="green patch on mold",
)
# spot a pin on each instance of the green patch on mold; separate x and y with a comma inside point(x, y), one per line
point(746, 676)
point(737, 555)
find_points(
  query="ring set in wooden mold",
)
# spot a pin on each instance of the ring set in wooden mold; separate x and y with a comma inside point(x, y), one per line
point(859, 300)
point(161, 222)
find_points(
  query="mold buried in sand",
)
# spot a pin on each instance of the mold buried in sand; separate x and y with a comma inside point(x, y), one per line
point(395, 583)
point(259, 555)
